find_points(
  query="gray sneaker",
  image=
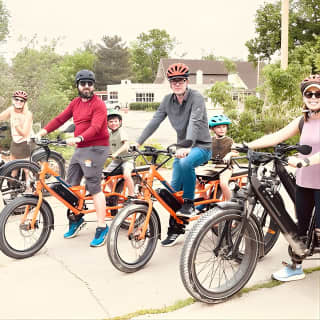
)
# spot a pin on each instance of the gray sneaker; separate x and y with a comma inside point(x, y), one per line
point(170, 240)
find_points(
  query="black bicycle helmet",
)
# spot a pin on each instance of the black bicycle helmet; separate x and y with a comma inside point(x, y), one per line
point(85, 75)
point(219, 120)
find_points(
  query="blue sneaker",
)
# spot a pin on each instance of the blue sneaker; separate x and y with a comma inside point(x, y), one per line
point(289, 273)
point(201, 207)
point(74, 228)
point(100, 237)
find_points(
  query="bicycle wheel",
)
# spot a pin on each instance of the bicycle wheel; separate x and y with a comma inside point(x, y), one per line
point(13, 179)
point(208, 269)
point(269, 227)
point(56, 161)
point(126, 251)
point(17, 239)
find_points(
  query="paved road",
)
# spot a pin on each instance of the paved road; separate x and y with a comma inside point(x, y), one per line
point(135, 121)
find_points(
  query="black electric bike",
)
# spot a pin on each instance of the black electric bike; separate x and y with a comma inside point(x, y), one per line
point(221, 251)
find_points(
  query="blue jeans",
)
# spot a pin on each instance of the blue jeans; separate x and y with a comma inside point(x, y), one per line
point(183, 175)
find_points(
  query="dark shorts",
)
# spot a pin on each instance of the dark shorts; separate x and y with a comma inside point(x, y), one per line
point(20, 150)
point(88, 162)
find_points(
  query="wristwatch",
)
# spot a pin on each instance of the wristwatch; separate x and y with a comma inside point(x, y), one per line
point(307, 162)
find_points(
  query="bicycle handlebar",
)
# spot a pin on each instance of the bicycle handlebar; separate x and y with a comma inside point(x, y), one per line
point(43, 142)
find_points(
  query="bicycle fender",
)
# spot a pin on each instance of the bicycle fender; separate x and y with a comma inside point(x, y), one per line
point(44, 203)
point(154, 211)
point(40, 152)
point(229, 205)
point(20, 161)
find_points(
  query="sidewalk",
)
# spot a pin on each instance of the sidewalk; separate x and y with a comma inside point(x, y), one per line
point(69, 280)
point(293, 300)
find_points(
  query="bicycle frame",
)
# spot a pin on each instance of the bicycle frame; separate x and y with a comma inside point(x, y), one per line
point(78, 191)
point(150, 193)
point(273, 203)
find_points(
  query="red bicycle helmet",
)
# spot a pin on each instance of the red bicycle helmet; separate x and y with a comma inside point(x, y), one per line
point(21, 94)
point(313, 79)
point(178, 70)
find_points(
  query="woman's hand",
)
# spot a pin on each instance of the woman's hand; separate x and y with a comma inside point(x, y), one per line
point(294, 161)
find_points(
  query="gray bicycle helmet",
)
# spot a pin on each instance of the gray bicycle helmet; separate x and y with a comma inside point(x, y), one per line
point(113, 114)
point(85, 75)
point(219, 120)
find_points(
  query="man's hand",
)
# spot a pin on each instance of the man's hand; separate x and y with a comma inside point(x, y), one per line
point(182, 153)
point(133, 146)
point(72, 141)
point(40, 134)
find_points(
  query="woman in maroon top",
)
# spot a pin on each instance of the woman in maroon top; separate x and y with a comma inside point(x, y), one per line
point(92, 140)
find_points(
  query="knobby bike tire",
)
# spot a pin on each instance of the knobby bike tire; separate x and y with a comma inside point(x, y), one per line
point(126, 252)
point(16, 239)
point(204, 265)
point(56, 161)
point(11, 188)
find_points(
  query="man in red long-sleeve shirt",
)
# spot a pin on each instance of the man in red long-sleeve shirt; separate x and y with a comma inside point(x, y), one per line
point(92, 139)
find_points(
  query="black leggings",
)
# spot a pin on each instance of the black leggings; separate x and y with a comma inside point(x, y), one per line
point(306, 200)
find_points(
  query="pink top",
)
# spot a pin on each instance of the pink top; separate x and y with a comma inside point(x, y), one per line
point(309, 177)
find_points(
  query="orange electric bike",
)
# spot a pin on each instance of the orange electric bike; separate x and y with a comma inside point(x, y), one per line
point(26, 222)
point(130, 248)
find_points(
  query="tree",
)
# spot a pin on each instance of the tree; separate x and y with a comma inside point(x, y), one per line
point(112, 64)
point(147, 51)
point(304, 23)
point(4, 22)
point(220, 95)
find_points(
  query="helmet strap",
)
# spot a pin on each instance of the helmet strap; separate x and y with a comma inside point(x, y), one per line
point(315, 112)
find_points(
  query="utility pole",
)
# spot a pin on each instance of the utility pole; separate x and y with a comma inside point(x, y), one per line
point(284, 33)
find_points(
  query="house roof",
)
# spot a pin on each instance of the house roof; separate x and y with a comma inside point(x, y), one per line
point(212, 71)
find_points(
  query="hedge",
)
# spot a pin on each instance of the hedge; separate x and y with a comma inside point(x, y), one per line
point(145, 106)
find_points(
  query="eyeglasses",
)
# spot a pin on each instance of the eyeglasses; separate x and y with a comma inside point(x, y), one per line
point(84, 83)
point(19, 100)
point(178, 81)
point(310, 94)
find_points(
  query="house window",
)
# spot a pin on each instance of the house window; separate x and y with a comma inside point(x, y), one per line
point(144, 97)
point(113, 95)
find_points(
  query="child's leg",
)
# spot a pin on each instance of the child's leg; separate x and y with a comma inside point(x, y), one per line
point(127, 171)
point(224, 184)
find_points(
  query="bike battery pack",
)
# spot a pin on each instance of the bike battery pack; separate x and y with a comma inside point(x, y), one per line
point(64, 192)
point(169, 199)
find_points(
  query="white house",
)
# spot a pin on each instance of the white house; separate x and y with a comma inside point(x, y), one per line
point(203, 74)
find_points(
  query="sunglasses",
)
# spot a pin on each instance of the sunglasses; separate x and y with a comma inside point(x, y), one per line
point(310, 94)
point(19, 100)
point(178, 81)
point(84, 83)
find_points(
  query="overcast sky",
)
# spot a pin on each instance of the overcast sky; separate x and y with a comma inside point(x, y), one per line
point(201, 27)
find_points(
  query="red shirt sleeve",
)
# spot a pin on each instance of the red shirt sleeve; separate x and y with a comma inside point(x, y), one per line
point(59, 120)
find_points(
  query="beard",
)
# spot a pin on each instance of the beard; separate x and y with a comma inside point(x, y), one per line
point(86, 95)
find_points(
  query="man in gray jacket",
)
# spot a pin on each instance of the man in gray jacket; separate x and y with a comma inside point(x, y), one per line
point(187, 114)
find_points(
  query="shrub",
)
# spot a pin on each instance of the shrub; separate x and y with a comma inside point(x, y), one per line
point(145, 106)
